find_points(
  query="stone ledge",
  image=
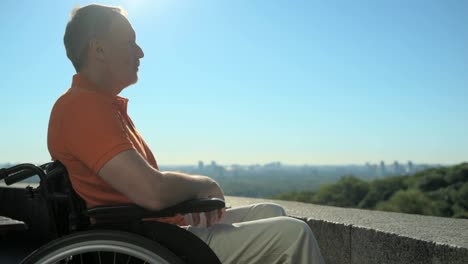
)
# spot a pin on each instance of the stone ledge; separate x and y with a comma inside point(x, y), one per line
point(363, 236)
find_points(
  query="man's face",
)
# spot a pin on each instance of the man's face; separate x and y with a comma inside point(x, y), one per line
point(122, 53)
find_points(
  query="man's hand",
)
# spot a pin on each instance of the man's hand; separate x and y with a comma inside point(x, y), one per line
point(207, 219)
point(213, 217)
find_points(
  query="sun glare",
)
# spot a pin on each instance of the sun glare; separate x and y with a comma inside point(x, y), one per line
point(146, 8)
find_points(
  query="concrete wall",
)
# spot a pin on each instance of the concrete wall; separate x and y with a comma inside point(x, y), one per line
point(363, 236)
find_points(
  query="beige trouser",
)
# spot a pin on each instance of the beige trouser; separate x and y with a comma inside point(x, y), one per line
point(260, 233)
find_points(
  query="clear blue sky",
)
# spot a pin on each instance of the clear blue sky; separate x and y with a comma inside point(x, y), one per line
point(253, 81)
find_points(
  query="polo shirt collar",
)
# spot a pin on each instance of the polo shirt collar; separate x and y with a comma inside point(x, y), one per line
point(81, 83)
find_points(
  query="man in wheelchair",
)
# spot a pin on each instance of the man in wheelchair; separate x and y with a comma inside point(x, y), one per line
point(110, 164)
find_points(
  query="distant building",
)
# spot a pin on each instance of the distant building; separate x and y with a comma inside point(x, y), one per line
point(410, 167)
point(382, 171)
point(214, 169)
point(201, 165)
point(368, 168)
point(396, 168)
point(273, 165)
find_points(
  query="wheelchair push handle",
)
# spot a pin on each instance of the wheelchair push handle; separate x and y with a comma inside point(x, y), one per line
point(3, 173)
point(19, 176)
point(20, 172)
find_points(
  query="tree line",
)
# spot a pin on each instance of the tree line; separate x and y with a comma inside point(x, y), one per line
point(438, 192)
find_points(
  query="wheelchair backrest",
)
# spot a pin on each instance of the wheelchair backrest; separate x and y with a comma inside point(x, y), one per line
point(68, 208)
point(50, 210)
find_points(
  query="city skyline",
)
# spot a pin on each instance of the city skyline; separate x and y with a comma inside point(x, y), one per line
point(266, 164)
point(301, 82)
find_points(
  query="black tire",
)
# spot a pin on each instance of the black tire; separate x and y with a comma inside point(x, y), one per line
point(102, 246)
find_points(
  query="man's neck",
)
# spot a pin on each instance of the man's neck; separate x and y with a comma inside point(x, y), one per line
point(101, 81)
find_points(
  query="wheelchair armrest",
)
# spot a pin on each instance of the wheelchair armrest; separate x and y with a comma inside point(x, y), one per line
point(119, 213)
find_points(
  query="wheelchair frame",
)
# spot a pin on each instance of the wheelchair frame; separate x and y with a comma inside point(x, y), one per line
point(118, 230)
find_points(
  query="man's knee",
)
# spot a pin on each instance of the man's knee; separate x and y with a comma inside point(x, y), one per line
point(291, 227)
point(270, 209)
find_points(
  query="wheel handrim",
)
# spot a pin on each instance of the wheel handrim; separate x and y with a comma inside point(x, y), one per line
point(117, 247)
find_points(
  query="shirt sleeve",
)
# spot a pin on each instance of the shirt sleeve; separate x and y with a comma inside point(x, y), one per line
point(95, 132)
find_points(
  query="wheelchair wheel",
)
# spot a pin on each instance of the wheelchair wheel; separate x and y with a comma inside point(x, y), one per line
point(102, 246)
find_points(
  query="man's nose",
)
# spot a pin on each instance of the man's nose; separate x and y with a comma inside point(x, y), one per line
point(140, 52)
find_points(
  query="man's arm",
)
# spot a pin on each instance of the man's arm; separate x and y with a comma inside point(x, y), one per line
point(129, 173)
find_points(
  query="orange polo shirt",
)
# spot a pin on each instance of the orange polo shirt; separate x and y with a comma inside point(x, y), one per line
point(87, 128)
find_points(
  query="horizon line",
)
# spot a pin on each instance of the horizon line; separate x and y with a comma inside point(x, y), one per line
point(287, 164)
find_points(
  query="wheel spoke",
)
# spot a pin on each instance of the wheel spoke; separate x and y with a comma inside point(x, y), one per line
point(102, 248)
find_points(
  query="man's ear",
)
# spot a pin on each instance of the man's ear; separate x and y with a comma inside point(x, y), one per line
point(97, 49)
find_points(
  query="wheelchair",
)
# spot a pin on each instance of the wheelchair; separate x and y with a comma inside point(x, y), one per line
point(53, 225)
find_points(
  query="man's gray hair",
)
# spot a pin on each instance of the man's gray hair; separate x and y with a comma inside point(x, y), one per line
point(86, 23)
